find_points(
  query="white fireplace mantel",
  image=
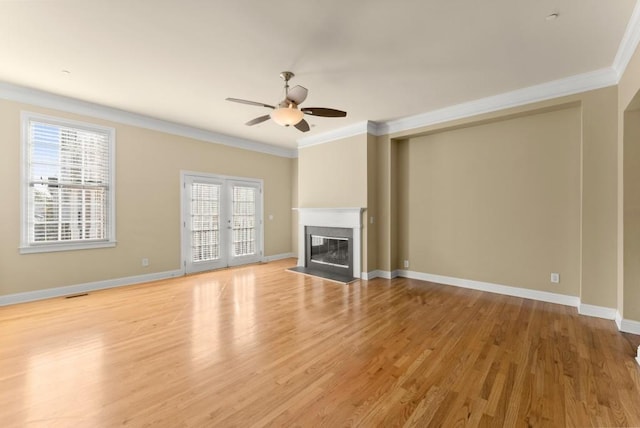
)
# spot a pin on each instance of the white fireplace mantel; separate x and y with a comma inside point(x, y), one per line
point(332, 217)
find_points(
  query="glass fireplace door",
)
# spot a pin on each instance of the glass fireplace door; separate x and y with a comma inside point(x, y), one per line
point(330, 251)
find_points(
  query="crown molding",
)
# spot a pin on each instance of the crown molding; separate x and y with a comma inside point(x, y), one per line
point(629, 42)
point(558, 88)
point(545, 91)
point(44, 99)
point(359, 128)
point(336, 134)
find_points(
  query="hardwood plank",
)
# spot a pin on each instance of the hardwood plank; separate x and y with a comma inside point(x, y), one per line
point(260, 346)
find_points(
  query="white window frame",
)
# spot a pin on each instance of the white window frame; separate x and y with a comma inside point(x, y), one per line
point(26, 246)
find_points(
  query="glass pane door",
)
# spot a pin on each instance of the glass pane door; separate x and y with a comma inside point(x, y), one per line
point(202, 225)
point(222, 221)
point(205, 222)
point(244, 223)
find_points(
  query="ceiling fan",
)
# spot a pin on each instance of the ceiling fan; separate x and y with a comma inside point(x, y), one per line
point(287, 112)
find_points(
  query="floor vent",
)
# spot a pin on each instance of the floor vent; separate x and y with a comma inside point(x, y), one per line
point(76, 295)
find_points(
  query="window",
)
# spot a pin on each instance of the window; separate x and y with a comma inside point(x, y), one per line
point(68, 192)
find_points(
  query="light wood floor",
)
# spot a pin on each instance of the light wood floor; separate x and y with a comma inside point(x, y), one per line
point(258, 346)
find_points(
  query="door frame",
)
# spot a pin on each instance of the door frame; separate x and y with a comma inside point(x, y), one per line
point(184, 214)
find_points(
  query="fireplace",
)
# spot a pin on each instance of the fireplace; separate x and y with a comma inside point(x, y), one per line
point(329, 242)
point(329, 249)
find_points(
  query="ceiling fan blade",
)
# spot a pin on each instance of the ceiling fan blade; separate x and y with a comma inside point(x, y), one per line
point(297, 94)
point(325, 112)
point(251, 103)
point(303, 126)
point(258, 120)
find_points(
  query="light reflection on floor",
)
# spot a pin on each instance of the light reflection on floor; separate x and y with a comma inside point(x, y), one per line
point(204, 322)
point(212, 325)
point(59, 371)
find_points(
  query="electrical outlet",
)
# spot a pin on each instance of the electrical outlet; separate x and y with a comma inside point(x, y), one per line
point(371, 220)
point(555, 277)
point(406, 264)
point(145, 262)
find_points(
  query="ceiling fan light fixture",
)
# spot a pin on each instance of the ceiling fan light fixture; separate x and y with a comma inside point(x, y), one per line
point(287, 112)
point(286, 116)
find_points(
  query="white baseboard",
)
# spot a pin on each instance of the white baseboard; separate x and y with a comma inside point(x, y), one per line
point(598, 312)
point(49, 293)
point(385, 274)
point(526, 293)
point(369, 275)
point(282, 256)
point(388, 274)
point(630, 326)
point(627, 326)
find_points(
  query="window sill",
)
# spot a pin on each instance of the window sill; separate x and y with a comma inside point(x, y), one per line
point(50, 248)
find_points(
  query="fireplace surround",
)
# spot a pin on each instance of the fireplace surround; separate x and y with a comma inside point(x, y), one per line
point(327, 238)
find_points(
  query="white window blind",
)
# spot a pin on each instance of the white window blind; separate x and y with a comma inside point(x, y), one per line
point(244, 220)
point(69, 184)
point(205, 222)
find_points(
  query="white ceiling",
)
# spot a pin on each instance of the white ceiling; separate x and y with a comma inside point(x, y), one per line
point(378, 60)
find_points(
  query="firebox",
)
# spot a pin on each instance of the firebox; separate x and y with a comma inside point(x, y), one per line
point(329, 249)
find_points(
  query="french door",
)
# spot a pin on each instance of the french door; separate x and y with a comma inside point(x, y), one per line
point(222, 222)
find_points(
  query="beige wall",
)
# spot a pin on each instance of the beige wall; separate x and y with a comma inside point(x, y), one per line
point(294, 204)
point(497, 202)
point(631, 291)
point(408, 181)
point(599, 198)
point(371, 216)
point(148, 165)
point(333, 174)
point(382, 176)
point(629, 189)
